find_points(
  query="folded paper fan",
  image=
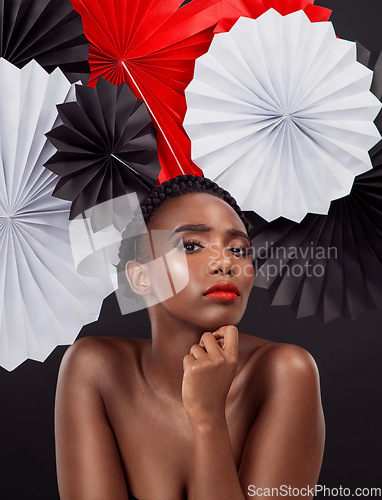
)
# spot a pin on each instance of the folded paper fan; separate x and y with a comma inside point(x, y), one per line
point(152, 46)
point(329, 266)
point(45, 302)
point(106, 147)
point(49, 31)
point(280, 113)
point(233, 9)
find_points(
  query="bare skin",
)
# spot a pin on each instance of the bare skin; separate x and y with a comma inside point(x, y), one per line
point(199, 411)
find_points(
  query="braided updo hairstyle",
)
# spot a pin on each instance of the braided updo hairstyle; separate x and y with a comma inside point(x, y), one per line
point(173, 188)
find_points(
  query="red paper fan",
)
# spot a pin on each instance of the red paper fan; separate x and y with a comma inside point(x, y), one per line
point(233, 9)
point(152, 46)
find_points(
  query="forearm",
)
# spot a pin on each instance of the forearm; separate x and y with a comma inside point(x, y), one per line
point(215, 474)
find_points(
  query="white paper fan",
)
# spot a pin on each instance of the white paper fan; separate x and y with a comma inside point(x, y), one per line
point(44, 301)
point(280, 114)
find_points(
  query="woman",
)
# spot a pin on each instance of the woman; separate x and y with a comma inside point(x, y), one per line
point(199, 411)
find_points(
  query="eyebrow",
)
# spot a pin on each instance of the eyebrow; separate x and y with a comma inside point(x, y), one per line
point(204, 228)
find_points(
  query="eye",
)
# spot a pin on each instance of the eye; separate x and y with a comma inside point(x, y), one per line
point(241, 251)
point(190, 246)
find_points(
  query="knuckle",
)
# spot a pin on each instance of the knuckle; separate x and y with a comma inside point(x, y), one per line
point(186, 359)
point(207, 334)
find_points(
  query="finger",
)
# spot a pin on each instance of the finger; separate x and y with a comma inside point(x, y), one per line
point(197, 351)
point(220, 342)
point(188, 362)
point(218, 337)
point(201, 343)
point(230, 336)
point(210, 343)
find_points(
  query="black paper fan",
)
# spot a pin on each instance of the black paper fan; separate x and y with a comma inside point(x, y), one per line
point(328, 265)
point(106, 147)
point(49, 31)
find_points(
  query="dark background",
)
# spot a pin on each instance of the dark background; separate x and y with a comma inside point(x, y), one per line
point(348, 355)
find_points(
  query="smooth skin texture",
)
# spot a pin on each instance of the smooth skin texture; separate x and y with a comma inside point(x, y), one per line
point(200, 411)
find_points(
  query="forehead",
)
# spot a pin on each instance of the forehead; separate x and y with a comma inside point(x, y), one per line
point(196, 208)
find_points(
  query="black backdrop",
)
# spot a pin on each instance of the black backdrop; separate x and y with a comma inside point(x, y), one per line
point(348, 354)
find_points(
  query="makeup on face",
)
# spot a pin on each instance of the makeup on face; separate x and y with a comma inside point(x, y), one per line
point(220, 248)
point(216, 250)
point(224, 291)
point(240, 249)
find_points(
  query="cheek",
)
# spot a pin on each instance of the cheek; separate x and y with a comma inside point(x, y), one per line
point(249, 273)
point(168, 275)
point(244, 272)
point(178, 272)
point(187, 275)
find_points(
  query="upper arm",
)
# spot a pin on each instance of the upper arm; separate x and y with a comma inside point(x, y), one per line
point(88, 461)
point(286, 441)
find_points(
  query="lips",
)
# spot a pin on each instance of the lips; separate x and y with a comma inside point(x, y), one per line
point(224, 291)
point(223, 286)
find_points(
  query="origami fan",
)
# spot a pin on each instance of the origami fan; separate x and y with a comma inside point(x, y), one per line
point(233, 9)
point(152, 46)
point(49, 31)
point(330, 265)
point(280, 113)
point(106, 147)
point(45, 301)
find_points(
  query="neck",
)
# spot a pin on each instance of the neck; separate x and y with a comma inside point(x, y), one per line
point(171, 341)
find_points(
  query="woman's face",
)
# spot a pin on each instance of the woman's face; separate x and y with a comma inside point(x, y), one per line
point(215, 241)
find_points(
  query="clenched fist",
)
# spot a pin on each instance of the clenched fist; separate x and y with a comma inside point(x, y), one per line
point(208, 373)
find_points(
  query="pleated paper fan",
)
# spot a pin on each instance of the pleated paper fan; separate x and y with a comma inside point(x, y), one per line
point(232, 10)
point(329, 266)
point(45, 302)
point(106, 147)
point(48, 31)
point(152, 46)
point(280, 113)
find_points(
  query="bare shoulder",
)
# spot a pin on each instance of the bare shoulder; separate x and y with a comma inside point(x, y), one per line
point(280, 364)
point(290, 362)
point(87, 455)
point(288, 431)
point(98, 360)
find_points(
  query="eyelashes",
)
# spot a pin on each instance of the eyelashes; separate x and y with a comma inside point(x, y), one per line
point(189, 245)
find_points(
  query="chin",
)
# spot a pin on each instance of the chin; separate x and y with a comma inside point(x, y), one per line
point(216, 319)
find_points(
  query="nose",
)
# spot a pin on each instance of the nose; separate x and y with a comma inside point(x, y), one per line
point(220, 262)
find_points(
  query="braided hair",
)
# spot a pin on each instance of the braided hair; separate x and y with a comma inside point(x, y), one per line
point(173, 188)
